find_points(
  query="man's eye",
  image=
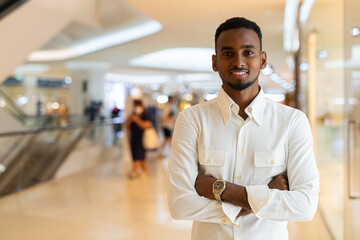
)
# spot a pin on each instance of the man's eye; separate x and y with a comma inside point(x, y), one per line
point(249, 52)
point(227, 54)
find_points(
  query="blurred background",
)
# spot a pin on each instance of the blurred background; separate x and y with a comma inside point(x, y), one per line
point(70, 70)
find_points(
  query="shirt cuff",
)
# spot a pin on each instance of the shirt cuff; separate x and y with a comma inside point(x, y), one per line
point(231, 211)
point(258, 196)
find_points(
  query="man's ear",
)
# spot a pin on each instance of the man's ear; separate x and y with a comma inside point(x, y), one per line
point(263, 60)
point(214, 63)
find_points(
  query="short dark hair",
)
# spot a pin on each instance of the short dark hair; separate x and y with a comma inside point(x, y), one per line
point(235, 23)
point(138, 102)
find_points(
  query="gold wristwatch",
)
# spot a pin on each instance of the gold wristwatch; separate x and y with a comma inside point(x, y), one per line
point(218, 188)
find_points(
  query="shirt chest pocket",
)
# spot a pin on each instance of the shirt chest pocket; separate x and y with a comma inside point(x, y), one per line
point(269, 164)
point(212, 162)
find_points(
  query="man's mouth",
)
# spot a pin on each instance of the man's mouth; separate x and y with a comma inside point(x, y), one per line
point(239, 73)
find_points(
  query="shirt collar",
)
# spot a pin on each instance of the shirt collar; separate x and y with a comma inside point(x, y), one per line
point(255, 110)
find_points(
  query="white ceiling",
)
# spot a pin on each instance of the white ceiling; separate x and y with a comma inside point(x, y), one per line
point(186, 24)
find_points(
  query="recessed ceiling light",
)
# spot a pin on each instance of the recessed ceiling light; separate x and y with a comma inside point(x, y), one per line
point(101, 42)
point(355, 31)
point(322, 54)
point(137, 79)
point(31, 68)
point(187, 59)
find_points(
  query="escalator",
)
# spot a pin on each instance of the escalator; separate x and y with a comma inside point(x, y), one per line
point(34, 156)
point(28, 121)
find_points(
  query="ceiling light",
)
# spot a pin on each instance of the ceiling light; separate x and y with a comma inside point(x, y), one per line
point(322, 54)
point(187, 59)
point(31, 68)
point(155, 86)
point(162, 99)
point(290, 62)
point(304, 67)
point(22, 100)
point(188, 97)
point(197, 77)
point(2, 103)
point(2, 168)
point(339, 101)
point(136, 79)
point(98, 43)
point(68, 80)
point(355, 31)
point(291, 35)
point(305, 10)
point(55, 105)
point(210, 96)
point(135, 92)
point(87, 64)
point(267, 70)
point(276, 78)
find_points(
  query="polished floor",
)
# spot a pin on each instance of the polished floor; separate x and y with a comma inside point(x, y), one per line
point(101, 203)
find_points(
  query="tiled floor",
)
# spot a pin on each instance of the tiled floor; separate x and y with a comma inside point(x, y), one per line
point(102, 204)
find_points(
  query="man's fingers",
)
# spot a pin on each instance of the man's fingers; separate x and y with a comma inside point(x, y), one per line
point(279, 182)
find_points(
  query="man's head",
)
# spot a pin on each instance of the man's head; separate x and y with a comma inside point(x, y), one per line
point(239, 56)
point(238, 22)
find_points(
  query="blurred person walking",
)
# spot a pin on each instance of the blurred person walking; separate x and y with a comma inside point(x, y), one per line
point(168, 121)
point(137, 123)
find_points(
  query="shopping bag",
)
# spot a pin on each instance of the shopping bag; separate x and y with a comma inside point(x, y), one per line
point(150, 139)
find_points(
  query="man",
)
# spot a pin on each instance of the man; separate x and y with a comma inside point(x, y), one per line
point(241, 166)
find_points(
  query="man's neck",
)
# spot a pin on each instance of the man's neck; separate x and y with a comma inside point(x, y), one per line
point(242, 97)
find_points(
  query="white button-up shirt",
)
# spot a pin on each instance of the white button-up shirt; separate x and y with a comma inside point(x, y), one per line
point(211, 138)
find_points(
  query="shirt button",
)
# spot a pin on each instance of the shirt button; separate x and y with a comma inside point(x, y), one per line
point(238, 177)
point(207, 161)
point(223, 220)
point(241, 152)
point(272, 162)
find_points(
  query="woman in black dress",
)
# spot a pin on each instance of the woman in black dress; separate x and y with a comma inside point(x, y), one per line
point(137, 123)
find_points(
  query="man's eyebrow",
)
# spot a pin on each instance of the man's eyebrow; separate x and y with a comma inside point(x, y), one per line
point(226, 48)
point(242, 46)
point(248, 46)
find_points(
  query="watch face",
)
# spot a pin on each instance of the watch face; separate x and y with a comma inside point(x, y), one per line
point(218, 185)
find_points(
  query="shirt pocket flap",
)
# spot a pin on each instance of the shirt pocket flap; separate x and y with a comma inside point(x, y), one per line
point(212, 158)
point(269, 159)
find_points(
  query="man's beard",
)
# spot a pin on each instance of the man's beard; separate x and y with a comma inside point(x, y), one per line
point(242, 86)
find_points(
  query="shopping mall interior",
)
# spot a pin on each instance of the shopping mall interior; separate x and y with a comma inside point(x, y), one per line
point(71, 70)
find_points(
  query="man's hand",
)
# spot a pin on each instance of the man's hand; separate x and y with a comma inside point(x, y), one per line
point(203, 186)
point(279, 182)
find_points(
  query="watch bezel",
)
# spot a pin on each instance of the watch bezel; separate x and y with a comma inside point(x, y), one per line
point(219, 185)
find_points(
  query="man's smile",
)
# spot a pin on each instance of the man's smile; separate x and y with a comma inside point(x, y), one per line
point(239, 73)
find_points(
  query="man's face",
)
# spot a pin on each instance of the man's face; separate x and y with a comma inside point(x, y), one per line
point(239, 59)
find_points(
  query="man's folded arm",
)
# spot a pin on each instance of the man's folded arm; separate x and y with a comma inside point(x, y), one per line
point(293, 198)
point(300, 202)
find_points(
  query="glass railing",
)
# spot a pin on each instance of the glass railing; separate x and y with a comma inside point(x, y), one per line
point(7, 103)
point(33, 156)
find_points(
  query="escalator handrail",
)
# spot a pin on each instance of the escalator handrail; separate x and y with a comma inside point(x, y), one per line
point(99, 123)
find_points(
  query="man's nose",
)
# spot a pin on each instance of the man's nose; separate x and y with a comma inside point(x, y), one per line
point(239, 61)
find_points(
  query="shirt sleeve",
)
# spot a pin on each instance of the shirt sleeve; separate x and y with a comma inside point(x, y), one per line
point(300, 202)
point(184, 202)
